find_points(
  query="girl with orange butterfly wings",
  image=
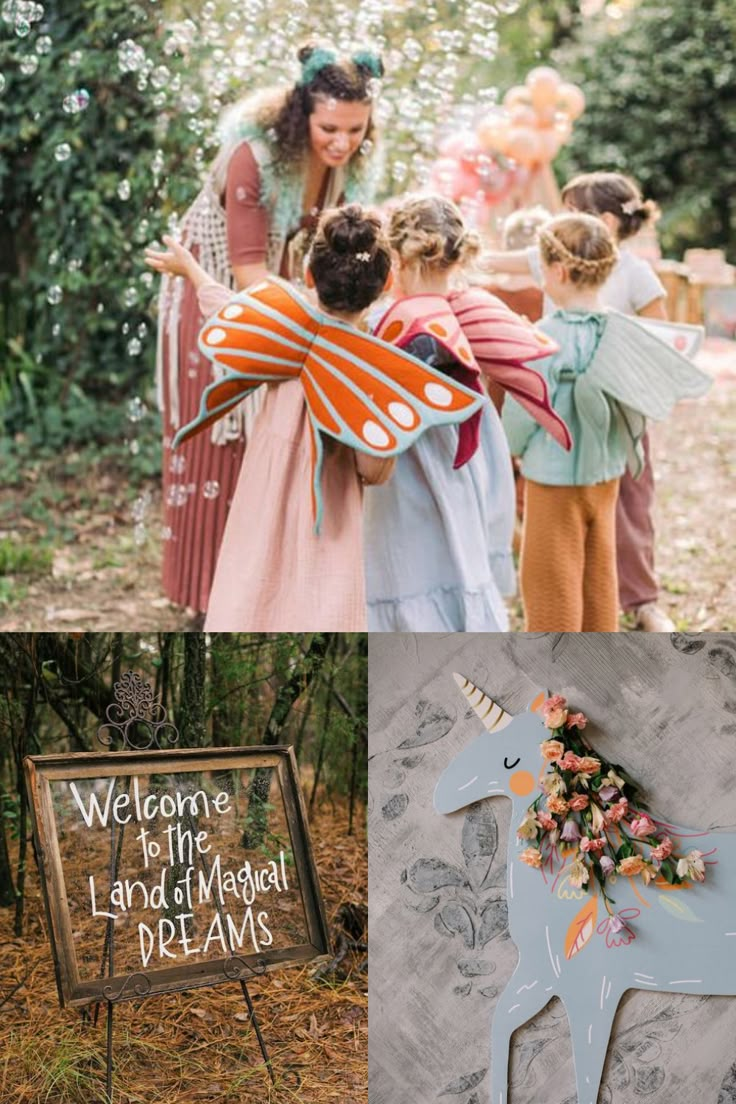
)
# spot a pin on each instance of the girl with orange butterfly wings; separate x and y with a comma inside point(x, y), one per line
point(339, 405)
point(438, 537)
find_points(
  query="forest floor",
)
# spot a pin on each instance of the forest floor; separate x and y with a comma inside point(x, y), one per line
point(196, 1046)
point(70, 557)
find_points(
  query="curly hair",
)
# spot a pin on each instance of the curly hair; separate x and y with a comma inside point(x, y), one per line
point(286, 113)
point(349, 258)
point(583, 246)
point(429, 231)
point(599, 192)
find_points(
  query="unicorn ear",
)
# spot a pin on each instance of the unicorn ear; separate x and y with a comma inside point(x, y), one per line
point(535, 706)
point(493, 717)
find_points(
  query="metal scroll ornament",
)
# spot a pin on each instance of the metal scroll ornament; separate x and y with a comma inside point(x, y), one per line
point(136, 718)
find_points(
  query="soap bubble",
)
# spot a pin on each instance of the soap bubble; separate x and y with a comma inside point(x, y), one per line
point(54, 295)
point(123, 189)
point(63, 151)
point(136, 409)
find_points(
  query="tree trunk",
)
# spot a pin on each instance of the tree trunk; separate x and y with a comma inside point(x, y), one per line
point(192, 721)
point(256, 820)
point(7, 886)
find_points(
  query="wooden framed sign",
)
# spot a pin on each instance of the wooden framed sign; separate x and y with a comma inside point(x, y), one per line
point(167, 870)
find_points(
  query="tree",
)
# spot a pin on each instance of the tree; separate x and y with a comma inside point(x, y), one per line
point(661, 91)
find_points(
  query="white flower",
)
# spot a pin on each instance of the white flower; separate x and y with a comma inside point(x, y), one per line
point(692, 866)
point(529, 826)
point(579, 874)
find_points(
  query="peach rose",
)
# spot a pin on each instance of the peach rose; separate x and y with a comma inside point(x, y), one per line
point(579, 802)
point(589, 765)
point(552, 749)
point(618, 811)
point(663, 850)
point(557, 805)
point(576, 720)
point(547, 822)
point(631, 866)
point(594, 845)
point(532, 857)
point(570, 761)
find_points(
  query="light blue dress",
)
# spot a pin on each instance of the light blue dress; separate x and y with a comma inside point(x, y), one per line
point(437, 541)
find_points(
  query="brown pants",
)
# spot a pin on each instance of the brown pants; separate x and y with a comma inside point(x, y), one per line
point(637, 582)
point(568, 558)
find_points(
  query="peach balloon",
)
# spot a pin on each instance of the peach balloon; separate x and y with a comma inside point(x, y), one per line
point(549, 144)
point(571, 100)
point(493, 130)
point(543, 84)
point(524, 146)
point(523, 116)
point(519, 94)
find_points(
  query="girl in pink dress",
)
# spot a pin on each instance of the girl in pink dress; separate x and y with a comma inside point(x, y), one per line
point(275, 571)
point(286, 154)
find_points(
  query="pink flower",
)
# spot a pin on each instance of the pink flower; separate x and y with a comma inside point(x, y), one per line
point(642, 826)
point(532, 857)
point(576, 720)
point(570, 833)
point(618, 811)
point(569, 761)
point(663, 850)
point(596, 844)
point(616, 929)
point(552, 749)
point(589, 765)
point(607, 865)
point(608, 793)
point(579, 802)
point(546, 821)
point(555, 712)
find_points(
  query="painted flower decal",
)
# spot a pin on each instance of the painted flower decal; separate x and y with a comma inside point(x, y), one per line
point(616, 928)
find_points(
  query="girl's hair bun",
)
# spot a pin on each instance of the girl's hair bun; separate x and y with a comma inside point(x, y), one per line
point(350, 258)
point(429, 231)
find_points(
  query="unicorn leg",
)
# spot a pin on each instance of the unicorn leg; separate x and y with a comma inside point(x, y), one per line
point(522, 998)
point(591, 1021)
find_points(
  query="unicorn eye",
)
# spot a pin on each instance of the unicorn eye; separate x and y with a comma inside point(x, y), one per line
point(510, 766)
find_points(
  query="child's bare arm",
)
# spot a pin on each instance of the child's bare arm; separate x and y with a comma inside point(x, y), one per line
point(373, 470)
point(177, 261)
point(515, 262)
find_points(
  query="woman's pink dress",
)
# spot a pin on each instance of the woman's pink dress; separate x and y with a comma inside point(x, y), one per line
point(274, 574)
point(199, 479)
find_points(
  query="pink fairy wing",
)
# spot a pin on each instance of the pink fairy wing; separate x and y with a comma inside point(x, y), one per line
point(431, 314)
point(501, 343)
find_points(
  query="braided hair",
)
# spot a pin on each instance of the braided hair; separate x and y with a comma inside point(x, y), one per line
point(583, 245)
point(429, 231)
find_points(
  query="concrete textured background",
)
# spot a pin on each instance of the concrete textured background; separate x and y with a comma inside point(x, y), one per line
point(665, 708)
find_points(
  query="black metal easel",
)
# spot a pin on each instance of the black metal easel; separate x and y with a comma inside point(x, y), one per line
point(134, 708)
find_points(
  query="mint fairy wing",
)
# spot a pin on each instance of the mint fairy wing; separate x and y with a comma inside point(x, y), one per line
point(643, 374)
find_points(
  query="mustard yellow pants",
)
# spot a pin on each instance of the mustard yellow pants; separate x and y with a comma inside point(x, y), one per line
point(568, 558)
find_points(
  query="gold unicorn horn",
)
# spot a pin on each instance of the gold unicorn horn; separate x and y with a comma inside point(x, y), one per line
point(492, 716)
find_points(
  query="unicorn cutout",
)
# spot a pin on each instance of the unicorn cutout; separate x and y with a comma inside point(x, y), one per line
point(671, 939)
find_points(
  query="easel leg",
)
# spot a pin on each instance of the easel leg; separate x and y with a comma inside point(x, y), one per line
point(254, 1021)
point(108, 1083)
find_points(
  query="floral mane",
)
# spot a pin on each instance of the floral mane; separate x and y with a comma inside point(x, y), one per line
point(590, 806)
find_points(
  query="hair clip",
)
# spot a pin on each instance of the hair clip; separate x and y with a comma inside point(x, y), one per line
point(631, 207)
point(319, 59)
point(362, 257)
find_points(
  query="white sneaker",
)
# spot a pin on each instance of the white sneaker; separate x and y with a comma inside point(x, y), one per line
point(650, 618)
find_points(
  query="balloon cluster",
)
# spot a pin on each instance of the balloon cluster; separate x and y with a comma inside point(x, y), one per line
point(484, 165)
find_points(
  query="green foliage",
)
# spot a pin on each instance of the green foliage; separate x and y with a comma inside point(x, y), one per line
point(661, 91)
point(82, 192)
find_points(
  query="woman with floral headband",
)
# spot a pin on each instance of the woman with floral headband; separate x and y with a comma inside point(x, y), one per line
point(287, 154)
